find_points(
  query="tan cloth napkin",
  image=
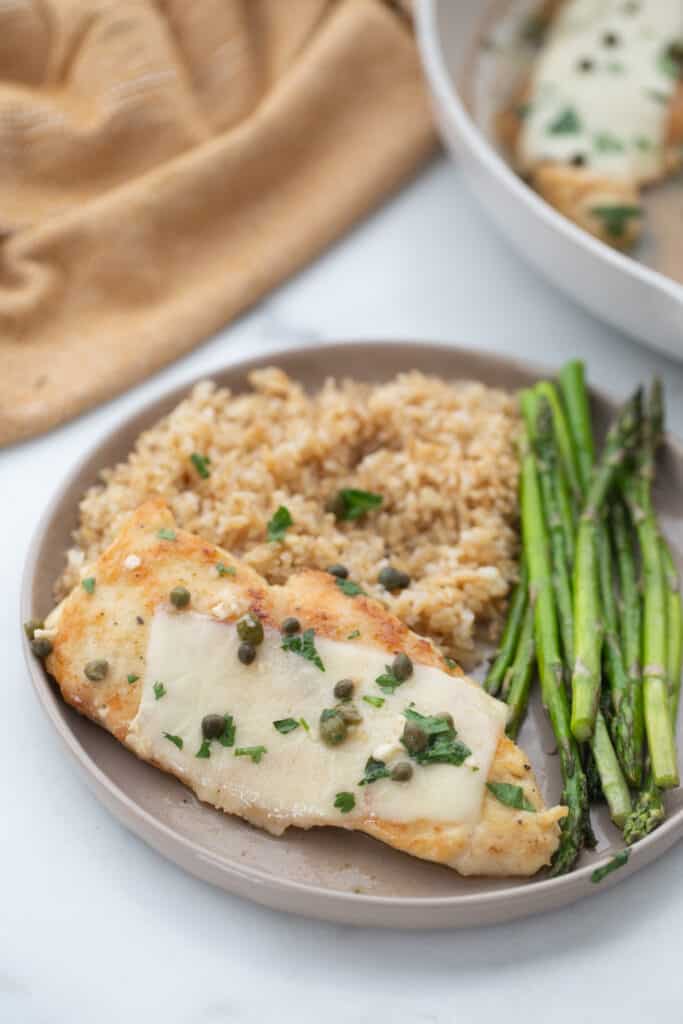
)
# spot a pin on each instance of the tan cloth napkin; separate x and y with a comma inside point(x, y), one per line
point(163, 164)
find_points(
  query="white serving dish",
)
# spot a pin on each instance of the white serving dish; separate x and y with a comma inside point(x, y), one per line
point(617, 288)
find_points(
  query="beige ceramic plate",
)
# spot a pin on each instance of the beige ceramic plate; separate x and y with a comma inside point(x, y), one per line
point(324, 873)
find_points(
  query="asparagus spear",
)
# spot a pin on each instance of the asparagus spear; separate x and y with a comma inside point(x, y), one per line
point(501, 667)
point(568, 483)
point(628, 751)
point(630, 620)
point(575, 825)
point(588, 625)
point(638, 492)
point(575, 395)
point(518, 678)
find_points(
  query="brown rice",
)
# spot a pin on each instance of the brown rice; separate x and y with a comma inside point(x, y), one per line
point(441, 454)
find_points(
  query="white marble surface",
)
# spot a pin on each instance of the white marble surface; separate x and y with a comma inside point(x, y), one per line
point(94, 926)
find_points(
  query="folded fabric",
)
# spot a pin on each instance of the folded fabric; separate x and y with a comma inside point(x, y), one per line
point(163, 164)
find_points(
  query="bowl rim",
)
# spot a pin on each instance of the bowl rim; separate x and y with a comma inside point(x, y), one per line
point(441, 81)
point(189, 854)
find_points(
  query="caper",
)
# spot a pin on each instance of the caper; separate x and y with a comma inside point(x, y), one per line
point(402, 667)
point(41, 646)
point(349, 713)
point(250, 629)
point(179, 597)
point(31, 626)
point(212, 726)
point(448, 717)
point(332, 727)
point(340, 571)
point(96, 670)
point(414, 738)
point(393, 579)
point(291, 625)
point(246, 653)
point(402, 772)
point(343, 690)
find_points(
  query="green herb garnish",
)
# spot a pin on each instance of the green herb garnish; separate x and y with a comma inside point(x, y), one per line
point(165, 534)
point(442, 745)
point(451, 662)
point(351, 503)
point(345, 802)
point(304, 645)
point(132, 678)
point(376, 702)
point(201, 464)
point(511, 796)
point(657, 95)
point(387, 682)
point(159, 691)
point(174, 739)
point(566, 123)
point(225, 570)
point(88, 584)
point(285, 725)
point(615, 218)
point(304, 724)
point(614, 864)
point(668, 65)
point(606, 143)
point(205, 749)
point(227, 737)
point(279, 524)
point(374, 770)
point(348, 587)
point(354, 634)
point(255, 753)
point(643, 143)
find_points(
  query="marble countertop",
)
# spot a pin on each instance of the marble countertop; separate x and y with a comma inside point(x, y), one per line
point(95, 926)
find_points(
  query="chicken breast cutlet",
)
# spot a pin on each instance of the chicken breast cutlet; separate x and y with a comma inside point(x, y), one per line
point(299, 705)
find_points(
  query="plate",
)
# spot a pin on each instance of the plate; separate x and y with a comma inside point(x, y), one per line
point(632, 296)
point(325, 873)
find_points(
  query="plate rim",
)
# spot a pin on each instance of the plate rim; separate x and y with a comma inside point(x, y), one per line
point(334, 904)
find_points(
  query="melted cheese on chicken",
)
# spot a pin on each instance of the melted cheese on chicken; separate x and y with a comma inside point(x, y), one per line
point(602, 89)
point(296, 780)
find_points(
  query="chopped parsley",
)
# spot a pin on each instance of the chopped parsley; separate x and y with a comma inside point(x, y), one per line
point(348, 587)
point(174, 739)
point(657, 95)
point(159, 691)
point(345, 802)
point(255, 753)
point(614, 864)
point(566, 123)
point(451, 663)
point(205, 749)
point(376, 702)
point(388, 682)
point(604, 142)
point(304, 724)
point(668, 64)
point(201, 464)
point(304, 645)
point(442, 745)
point(225, 570)
point(165, 534)
point(352, 503)
point(279, 524)
point(285, 725)
point(132, 678)
point(511, 796)
point(227, 737)
point(353, 635)
point(615, 218)
point(374, 770)
point(88, 584)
